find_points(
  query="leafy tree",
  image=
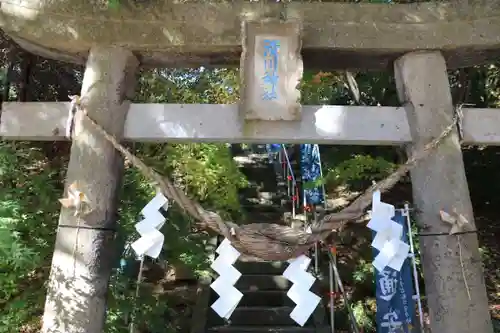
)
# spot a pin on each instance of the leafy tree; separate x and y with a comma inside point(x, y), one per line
point(32, 174)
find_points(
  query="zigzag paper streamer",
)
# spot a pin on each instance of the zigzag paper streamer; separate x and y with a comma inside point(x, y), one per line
point(392, 251)
point(151, 241)
point(229, 296)
point(299, 293)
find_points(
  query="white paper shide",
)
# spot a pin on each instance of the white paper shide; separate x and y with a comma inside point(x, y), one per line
point(229, 296)
point(151, 242)
point(392, 250)
point(306, 302)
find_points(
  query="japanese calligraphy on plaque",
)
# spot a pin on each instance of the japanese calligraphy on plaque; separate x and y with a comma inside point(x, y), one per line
point(271, 68)
point(270, 77)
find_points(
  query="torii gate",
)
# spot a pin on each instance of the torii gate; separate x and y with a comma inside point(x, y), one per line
point(113, 41)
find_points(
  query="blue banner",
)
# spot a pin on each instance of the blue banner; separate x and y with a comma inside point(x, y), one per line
point(394, 293)
point(310, 167)
point(272, 152)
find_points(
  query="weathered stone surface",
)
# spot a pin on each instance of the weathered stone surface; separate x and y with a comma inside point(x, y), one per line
point(84, 250)
point(451, 264)
point(322, 124)
point(335, 35)
point(271, 70)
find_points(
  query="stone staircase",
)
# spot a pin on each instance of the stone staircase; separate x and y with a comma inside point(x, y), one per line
point(265, 306)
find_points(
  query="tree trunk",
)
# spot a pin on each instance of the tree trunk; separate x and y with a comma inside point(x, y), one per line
point(24, 83)
point(439, 183)
point(82, 261)
point(9, 68)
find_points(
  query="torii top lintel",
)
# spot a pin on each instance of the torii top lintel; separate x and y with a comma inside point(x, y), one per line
point(167, 33)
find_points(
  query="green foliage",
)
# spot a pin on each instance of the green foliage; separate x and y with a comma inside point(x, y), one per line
point(216, 86)
point(320, 88)
point(358, 168)
point(210, 172)
point(364, 316)
point(363, 271)
point(114, 4)
point(28, 214)
point(32, 182)
point(149, 309)
point(31, 179)
point(206, 172)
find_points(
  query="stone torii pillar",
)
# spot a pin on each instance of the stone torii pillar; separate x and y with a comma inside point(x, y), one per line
point(84, 249)
point(439, 183)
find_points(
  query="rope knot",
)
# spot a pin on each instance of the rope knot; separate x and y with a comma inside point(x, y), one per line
point(459, 117)
point(75, 105)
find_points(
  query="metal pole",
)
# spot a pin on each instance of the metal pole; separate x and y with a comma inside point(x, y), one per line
point(335, 261)
point(325, 206)
point(332, 297)
point(289, 165)
point(316, 260)
point(288, 182)
point(316, 248)
point(280, 160)
point(305, 199)
point(137, 287)
point(342, 290)
point(283, 165)
point(294, 184)
point(297, 202)
point(284, 170)
point(321, 174)
point(406, 213)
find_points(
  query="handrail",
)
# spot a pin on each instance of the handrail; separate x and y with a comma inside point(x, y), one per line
point(294, 182)
point(416, 297)
point(333, 285)
point(322, 181)
point(344, 294)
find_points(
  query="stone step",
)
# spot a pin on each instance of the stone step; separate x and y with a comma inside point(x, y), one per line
point(260, 204)
point(264, 217)
point(299, 217)
point(259, 316)
point(258, 208)
point(249, 159)
point(282, 185)
point(262, 268)
point(271, 298)
point(259, 192)
point(250, 282)
point(263, 197)
point(263, 168)
point(260, 282)
point(261, 329)
point(267, 189)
